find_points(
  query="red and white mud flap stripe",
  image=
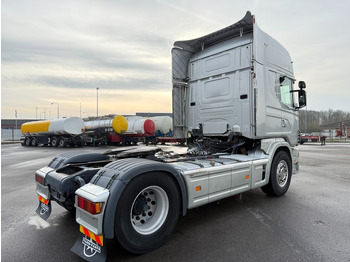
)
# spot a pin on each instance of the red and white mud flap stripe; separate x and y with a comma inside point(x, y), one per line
point(44, 208)
point(90, 246)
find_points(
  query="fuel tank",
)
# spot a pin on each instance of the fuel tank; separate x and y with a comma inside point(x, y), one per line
point(70, 125)
point(163, 124)
point(118, 124)
point(140, 126)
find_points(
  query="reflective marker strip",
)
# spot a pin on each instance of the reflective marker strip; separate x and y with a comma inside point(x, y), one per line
point(45, 201)
point(88, 233)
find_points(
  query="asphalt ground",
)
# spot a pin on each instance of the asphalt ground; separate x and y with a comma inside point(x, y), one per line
point(310, 223)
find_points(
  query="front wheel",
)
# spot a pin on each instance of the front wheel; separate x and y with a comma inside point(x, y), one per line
point(280, 175)
point(147, 212)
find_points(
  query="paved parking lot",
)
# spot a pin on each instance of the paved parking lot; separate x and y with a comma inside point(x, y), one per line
point(310, 223)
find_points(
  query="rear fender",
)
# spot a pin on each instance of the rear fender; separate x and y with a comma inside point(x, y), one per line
point(116, 175)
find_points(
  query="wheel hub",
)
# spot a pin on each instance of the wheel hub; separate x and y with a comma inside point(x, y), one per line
point(140, 206)
point(282, 173)
point(144, 207)
point(149, 210)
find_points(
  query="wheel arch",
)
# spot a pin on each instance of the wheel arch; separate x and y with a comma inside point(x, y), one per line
point(122, 177)
point(272, 149)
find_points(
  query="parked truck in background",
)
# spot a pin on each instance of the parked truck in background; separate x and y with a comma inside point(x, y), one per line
point(235, 102)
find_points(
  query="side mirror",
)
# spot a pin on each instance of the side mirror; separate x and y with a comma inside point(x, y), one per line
point(302, 85)
point(302, 97)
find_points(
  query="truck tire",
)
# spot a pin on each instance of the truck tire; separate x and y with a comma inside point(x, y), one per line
point(280, 175)
point(54, 142)
point(147, 212)
point(27, 141)
point(62, 142)
point(33, 141)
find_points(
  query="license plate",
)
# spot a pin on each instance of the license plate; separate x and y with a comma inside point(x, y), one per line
point(44, 208)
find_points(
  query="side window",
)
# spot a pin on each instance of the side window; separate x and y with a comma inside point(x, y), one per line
point(284, 92)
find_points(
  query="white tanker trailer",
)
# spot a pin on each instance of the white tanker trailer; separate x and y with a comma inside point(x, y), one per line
point(59, 132)
point(140, 126)
point(164, 131)
point(163, 125)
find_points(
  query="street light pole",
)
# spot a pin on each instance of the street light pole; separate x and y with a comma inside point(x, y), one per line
point(97, 100)
point(16, 117)
point(58, 109)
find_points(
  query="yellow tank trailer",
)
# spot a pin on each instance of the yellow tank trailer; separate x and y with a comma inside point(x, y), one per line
point(58, 132)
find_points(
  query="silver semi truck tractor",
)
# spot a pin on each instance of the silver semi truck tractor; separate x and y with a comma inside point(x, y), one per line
point(234, 99)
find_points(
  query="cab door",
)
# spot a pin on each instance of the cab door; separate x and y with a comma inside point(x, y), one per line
point(290, 116)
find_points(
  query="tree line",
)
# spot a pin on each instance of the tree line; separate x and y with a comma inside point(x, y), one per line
point(315, 119)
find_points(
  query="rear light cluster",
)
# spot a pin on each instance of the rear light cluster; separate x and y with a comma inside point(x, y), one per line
point(91, 207)
point(39, 179)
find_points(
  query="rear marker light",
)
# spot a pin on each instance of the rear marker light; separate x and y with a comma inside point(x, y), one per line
point(39, 179)
point(91, 207)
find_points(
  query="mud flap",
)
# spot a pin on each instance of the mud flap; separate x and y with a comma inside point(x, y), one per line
point(87, 248)
point(44, 210)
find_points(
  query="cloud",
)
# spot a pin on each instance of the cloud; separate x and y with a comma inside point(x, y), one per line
point(124, 46)
point(117, 83)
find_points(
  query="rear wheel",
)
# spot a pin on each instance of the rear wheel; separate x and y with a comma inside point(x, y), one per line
point(62, 142)
point(280, 175)
point(33, 141)
point(54, 142)
point(147, 212)
point(27, 141)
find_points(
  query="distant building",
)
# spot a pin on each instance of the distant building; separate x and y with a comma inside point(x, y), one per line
point(154, 114)
point(11, 123)
point(337, 129)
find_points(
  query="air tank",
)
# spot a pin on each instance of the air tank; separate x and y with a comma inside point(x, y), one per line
point(118, 124)
point(70, 125)
point(140, 126)
point(163, 124)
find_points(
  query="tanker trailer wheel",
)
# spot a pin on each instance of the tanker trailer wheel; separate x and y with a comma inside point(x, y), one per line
point(147, 212)
point(54, 142)
point(61, 142)
point(27, 141)
point(33, 141)
point(280, 175)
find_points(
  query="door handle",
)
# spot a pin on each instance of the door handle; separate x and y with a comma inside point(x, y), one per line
point(284, 123)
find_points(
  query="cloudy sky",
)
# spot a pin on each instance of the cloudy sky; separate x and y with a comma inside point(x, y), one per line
point(60, 51)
